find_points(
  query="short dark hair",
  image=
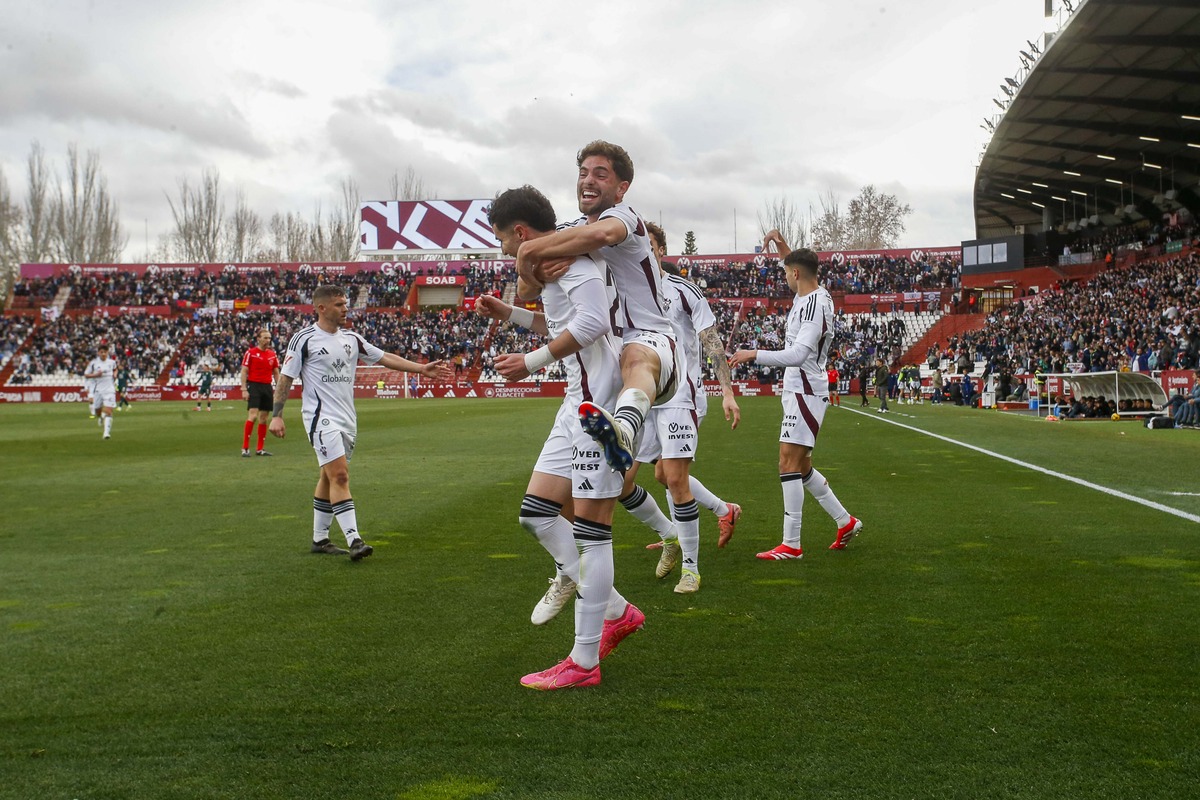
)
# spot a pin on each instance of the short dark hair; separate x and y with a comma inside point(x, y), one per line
point(802, 258)
point(622, 164)
point(523, 204)
point(326, 292)
point(658, 234)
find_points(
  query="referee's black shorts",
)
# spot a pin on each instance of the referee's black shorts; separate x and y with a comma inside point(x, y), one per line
point(260, 396)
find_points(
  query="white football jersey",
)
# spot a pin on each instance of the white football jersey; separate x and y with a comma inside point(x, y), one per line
point(107, 369)
point(594, 373)
point(326, 363)
point(689, 314)
point(635, 274)
point(806, 351)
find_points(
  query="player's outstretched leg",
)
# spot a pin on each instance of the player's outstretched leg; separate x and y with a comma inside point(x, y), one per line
point(617, 626)
point(613, 436)
point(848, 526)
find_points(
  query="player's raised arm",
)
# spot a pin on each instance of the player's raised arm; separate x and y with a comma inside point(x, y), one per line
point(440, 370)
point(775, 237)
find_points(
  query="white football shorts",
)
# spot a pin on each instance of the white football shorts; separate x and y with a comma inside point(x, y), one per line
point(802, 416)
point(570, 453)
point(331, 443)
point(669, 433)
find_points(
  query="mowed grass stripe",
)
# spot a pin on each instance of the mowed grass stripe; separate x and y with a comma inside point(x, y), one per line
point(993, 632)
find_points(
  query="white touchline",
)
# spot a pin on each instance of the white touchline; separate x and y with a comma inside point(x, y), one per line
point(1035, 467)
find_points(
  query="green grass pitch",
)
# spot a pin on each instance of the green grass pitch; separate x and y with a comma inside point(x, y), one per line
point(995, 631)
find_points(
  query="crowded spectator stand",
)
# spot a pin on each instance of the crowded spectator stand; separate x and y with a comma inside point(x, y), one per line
point(164, 319)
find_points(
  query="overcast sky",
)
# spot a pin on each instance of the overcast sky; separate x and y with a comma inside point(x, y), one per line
point(724, 106)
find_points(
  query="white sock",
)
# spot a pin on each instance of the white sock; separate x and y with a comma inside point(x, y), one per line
point(793, 507)
point(347, 519)
point(706, 498)
point(594, 541)
point(632, 407)
point(542, 518)
point(818, 487)
point(322, 519)
point(107, 424)
point(642, 506)
point(616, 605)
point(687, 524)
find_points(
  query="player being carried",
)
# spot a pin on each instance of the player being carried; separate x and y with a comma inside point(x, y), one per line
point(805, 398)
point(650, 363)
point(670, 438)
point(324, 357)
point(569, 478)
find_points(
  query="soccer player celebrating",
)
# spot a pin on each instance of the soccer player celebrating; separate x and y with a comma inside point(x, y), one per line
point(101, 371)
point(805, 397)
point(570, 471)
point(650, 367)
point(260, 368)
point(671, 435)
point(324, 357)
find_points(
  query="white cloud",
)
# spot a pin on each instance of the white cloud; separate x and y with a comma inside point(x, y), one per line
point(723, 105)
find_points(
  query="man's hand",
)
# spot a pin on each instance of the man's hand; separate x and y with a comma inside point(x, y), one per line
point(512, 366)
point(277, 427)
point(773, 237)
point(441, 370)
point(733, 414)
point(245, 393)
point(493, 307)
point(743, 357)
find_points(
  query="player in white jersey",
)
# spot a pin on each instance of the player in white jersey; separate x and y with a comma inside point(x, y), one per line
point(101, 370)
point(324, 357)
point(805, 398)
point(570, 472)
point(670, 438)
point(649, 363)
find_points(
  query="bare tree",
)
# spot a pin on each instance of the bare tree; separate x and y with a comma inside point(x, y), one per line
point(875, 219)
point(243, 232)
point(782, 215)
point(828, 228)
point(10, 238)
point(37, 235)
point(410, 186)
point(199, 214)
point(290, 237)
point(85, 225)
point(336, 238)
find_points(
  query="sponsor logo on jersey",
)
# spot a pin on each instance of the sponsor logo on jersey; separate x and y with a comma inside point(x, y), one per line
point(338, 365)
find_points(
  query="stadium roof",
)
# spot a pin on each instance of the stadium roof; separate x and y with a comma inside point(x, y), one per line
point(1105, 123)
